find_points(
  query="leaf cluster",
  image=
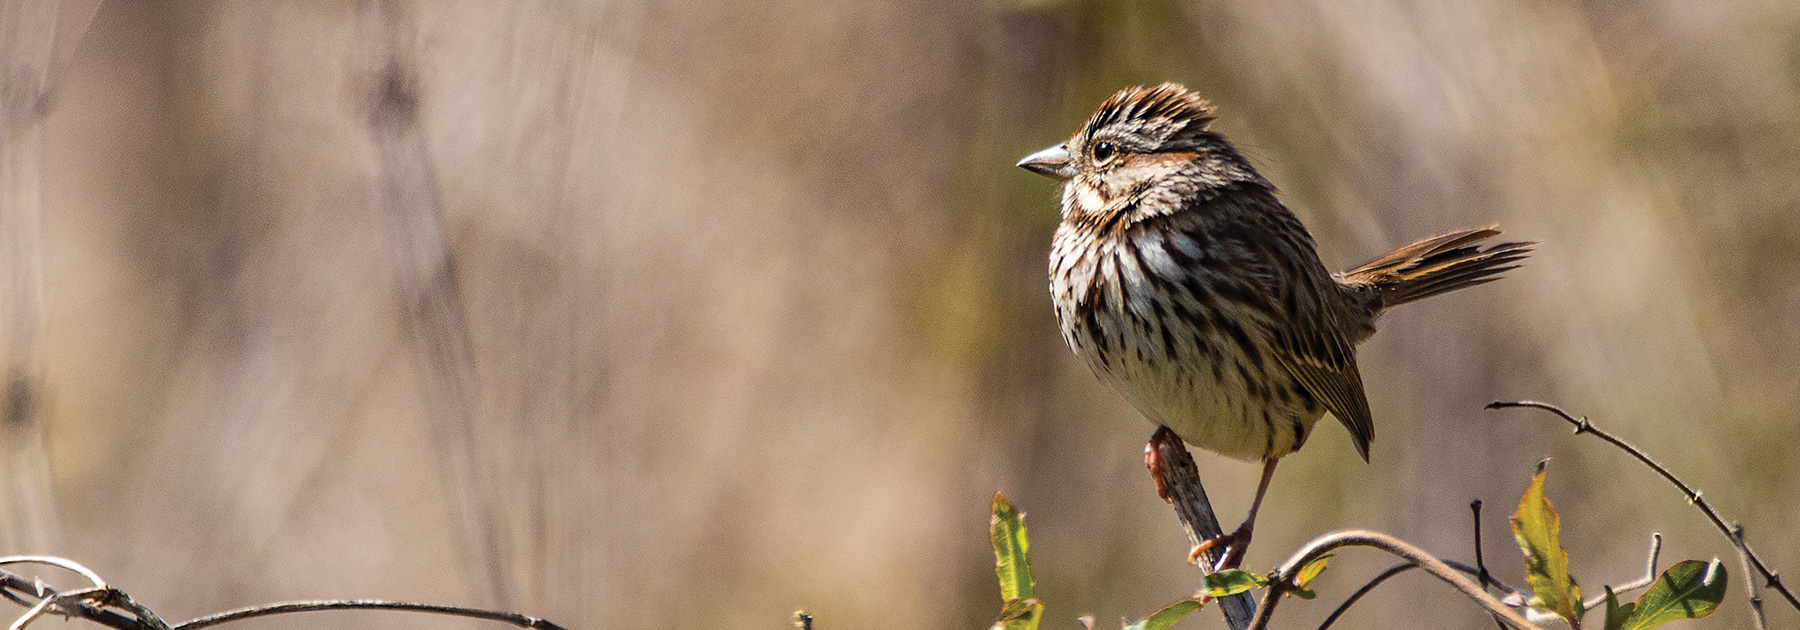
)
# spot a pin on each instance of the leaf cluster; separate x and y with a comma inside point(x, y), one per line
point(1687, 590)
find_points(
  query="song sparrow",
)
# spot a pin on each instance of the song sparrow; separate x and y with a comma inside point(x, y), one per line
point(1186, 285)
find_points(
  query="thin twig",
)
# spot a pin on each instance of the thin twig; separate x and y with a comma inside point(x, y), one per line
point(265, 610)
point(1762, 623)
point(1648, 579)
point(1406, 566)
point(1582, 425)
point(60, 563)
point(1475, 572)
point(1402, 568)
point(34, 613)
point(90, 603)
point(1366, 587)
point(1480, 565)
point(1513, 597)
point(93, 604)
point(11, 583)
point(1285, 575)
point(115, 598)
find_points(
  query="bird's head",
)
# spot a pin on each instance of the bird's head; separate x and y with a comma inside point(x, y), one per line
point(1138, 140)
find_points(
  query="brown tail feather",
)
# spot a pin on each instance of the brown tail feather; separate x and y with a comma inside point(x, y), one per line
point(1438, 265)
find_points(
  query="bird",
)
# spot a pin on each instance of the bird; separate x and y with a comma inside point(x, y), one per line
point(1182, 281)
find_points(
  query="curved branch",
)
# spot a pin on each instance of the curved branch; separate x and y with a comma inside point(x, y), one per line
point(1582, 425)
point(61, 563)
point(265, 610)
point(1284, 576)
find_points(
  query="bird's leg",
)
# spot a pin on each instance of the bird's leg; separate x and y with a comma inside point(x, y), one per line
point(1237, 542)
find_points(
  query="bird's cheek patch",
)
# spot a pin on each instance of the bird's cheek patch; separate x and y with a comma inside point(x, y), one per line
point(1131, 172)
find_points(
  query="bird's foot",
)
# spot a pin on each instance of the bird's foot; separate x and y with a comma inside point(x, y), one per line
point(1154, 461)
point(1235, 544)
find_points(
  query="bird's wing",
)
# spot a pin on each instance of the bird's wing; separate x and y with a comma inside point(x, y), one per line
point(1325, 364)
point(1323, 361)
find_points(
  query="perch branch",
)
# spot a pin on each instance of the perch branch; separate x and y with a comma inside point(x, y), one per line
point(1582, 425)
point(1178, 482)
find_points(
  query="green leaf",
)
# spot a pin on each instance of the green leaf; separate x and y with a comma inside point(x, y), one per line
point(1166, 617)
point(1011, 563)
point(1232, 581)
point(1616, 614)
point(1536, 526)
point(1689, 590)
point(1020, 614)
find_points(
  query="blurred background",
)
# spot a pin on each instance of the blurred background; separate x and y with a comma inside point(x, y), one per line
point(675, 313)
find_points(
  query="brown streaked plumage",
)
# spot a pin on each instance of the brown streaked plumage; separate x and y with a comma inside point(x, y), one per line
point(1182, 281)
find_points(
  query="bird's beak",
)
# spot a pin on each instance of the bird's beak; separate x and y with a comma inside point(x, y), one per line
point(1052, 163)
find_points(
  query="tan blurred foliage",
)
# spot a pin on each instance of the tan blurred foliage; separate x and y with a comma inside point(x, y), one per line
point(746, 302)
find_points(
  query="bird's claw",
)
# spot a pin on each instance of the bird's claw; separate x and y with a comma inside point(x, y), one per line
point(1235, 544)
point(1153, 461)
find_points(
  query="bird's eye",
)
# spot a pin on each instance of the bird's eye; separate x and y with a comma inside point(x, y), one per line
point(1104, 151)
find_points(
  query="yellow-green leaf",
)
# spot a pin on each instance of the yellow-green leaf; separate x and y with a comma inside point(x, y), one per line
point(1232, 581)
point(1311, 571)
point(1306, 575)
point(1689, 590)
point(1011, 564)
point(1020, 614)
point(1166, 617)
point(1536, 526)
